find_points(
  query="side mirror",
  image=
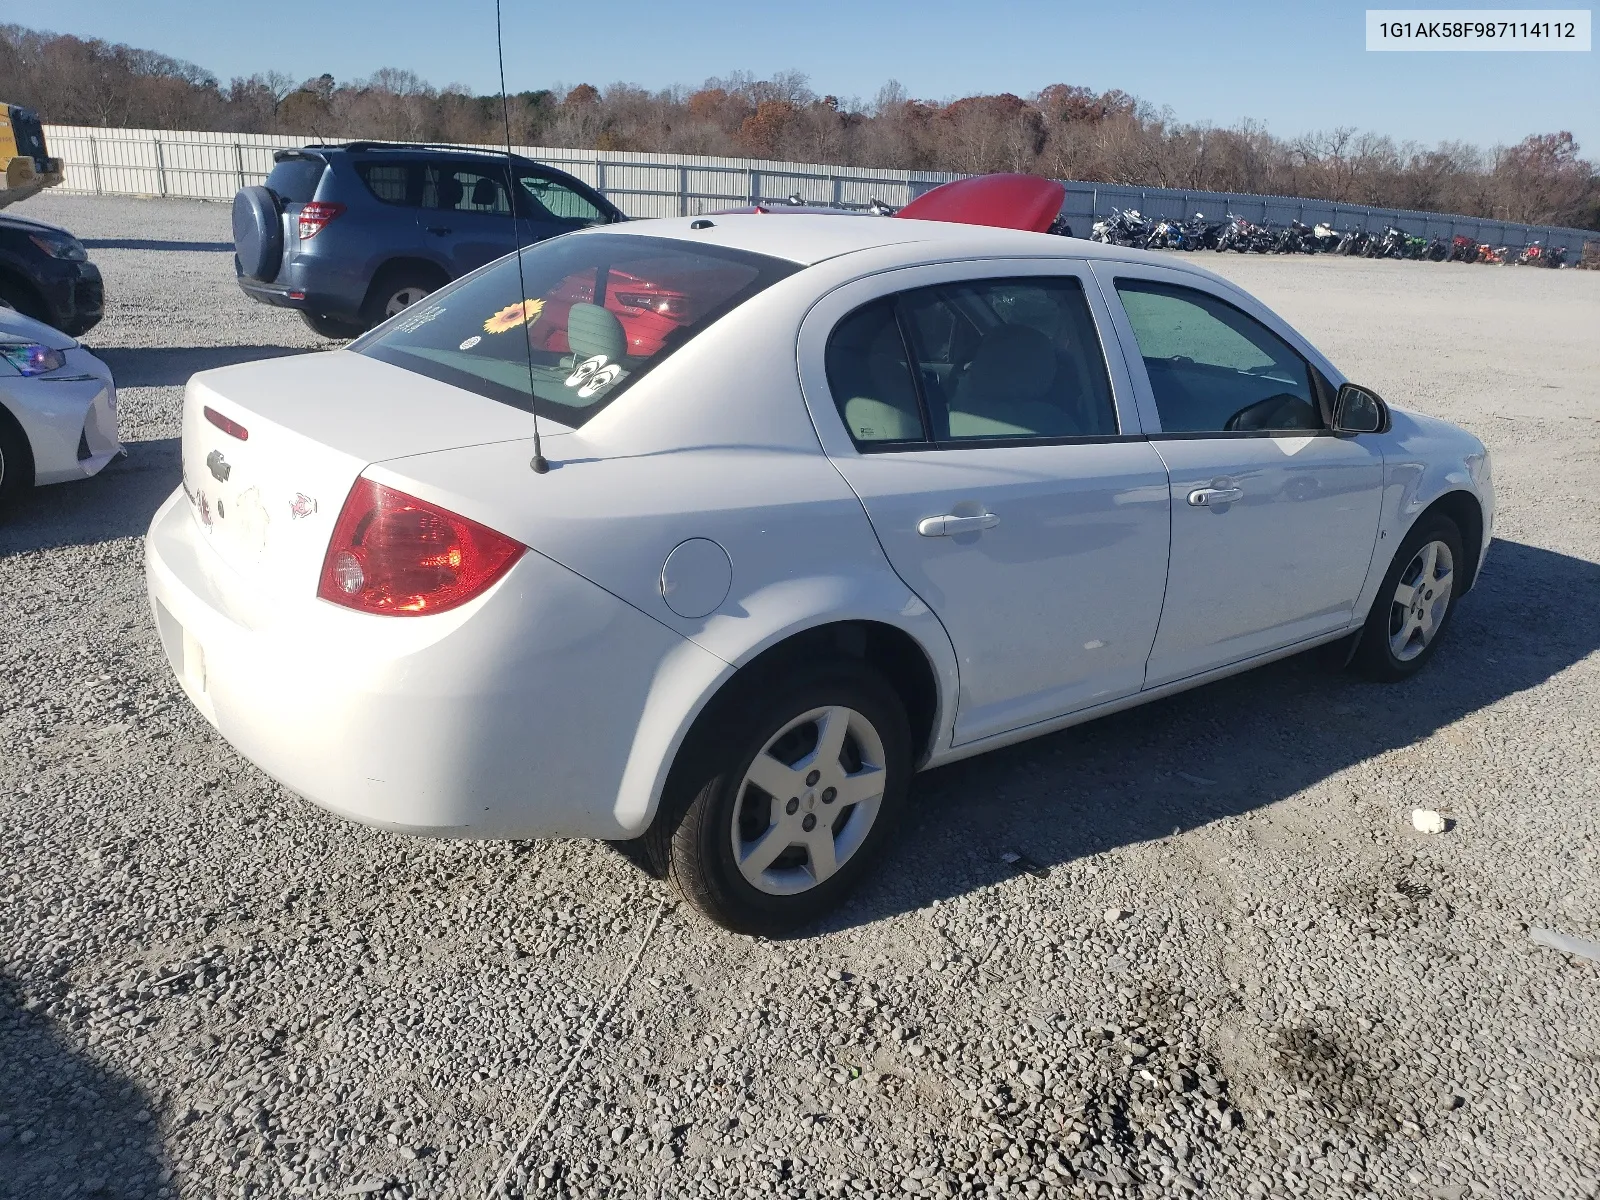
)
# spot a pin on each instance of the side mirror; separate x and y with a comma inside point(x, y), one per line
point(1359, 410)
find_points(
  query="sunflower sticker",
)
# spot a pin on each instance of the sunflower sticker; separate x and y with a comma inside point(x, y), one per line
point(513, 316)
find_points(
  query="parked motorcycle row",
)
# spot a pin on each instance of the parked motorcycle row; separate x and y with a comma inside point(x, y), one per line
point(1127, 227)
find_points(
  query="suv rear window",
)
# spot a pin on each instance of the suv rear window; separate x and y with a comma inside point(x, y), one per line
point(294, 180)
point(600, 310)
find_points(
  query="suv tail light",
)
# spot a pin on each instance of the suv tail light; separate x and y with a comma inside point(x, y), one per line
point(392, 553)
point(315, 215)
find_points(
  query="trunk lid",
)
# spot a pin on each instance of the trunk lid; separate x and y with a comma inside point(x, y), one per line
point(266, 501)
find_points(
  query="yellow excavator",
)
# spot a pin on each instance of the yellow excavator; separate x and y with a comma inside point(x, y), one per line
point(29, 169)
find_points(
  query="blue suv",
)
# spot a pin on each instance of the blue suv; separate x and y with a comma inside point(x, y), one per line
point(351, 234)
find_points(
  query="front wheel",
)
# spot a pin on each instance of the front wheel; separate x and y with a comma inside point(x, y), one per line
point(1414, 602)
point(793, 800)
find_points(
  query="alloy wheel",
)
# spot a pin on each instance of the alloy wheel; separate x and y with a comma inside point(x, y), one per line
point(808, 800)
point(403, 299)
point(1421, 600)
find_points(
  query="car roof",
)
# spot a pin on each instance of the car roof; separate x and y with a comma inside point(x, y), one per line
point(806, 238)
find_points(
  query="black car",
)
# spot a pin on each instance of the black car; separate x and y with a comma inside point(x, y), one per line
point(351, 234)
point(45, 273)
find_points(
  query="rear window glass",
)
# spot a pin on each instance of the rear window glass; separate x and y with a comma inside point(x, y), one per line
point(595, 312)
point(294, 180)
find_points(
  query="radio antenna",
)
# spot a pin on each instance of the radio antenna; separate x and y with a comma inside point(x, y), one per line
point(539, 464)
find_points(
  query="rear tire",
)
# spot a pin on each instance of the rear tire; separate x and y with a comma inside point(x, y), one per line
point(1414, 602)
point(16, 464)
point(833, 738)
point(395, 290)
point(332, 327)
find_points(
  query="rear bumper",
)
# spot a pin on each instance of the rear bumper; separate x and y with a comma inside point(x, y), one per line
point(306, 285)
point(518, 715)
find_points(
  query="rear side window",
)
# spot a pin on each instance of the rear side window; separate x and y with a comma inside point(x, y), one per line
point(870, 378)
point(598, 311)
point(991, 360)
point(390, 182)
point(294, 180)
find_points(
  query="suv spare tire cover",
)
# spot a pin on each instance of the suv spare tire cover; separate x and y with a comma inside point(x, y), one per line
point(257, 233)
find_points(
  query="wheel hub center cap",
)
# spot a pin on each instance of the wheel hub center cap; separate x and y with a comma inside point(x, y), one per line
point(811, 801)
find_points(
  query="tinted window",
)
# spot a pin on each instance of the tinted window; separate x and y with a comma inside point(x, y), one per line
point(597, 312)
point(294, 180)
point(869, 378)
point(1009, 358)
point(1214, 369)
point(390, 182)
point(459, 187)
point(552, 200)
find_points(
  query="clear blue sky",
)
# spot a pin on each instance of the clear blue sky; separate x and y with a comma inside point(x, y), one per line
point(1295, 67)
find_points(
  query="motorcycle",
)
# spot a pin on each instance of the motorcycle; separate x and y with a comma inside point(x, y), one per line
point(1529, 256)
point(1463, 249)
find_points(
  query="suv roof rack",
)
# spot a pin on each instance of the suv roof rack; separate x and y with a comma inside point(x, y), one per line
point(375, 145)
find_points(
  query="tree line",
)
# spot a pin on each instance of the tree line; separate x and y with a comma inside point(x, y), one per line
point(1063, 131)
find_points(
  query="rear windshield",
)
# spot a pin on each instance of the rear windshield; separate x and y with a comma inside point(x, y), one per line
point(294, 180)
point(596, 311)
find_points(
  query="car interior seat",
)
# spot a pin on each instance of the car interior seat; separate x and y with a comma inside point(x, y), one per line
point(486, 194)
point(1007, 388)
point(882, 403)
point(450, 191)
point(592, 330)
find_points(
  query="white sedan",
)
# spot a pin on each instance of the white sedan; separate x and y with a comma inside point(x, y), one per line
point(58, 408)
point(828, 501)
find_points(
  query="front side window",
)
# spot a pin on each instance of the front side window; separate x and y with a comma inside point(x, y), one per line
point(551, 200)
point(1214, 369)
point(597, 311)
point(993, 359)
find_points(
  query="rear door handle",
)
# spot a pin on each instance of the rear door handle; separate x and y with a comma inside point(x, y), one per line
point(949, 525)
point(1206, 497)
point(441, 230)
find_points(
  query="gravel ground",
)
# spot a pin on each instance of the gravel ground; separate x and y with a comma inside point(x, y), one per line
point(1244, 975)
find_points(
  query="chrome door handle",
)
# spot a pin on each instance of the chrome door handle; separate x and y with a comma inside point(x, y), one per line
point(949, 525)
point(1206, 497)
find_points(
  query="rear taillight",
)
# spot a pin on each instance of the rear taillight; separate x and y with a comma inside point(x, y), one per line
point(228, 426)
point(392, 553)
point(315, 215)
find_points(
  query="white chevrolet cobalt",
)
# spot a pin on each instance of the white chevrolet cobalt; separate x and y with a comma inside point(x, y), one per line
point(828, 501)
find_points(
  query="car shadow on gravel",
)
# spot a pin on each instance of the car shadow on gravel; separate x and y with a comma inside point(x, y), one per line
point(154, 244)
point(164, 366)
point(1228, 748)
point(117, 503)
point(68, 1126)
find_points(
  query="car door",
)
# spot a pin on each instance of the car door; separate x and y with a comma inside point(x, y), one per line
point(1274, 517)
point(996, 450)
point(466, 212)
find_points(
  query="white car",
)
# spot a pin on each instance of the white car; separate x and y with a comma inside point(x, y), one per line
point(828, 501)
point(58, 408)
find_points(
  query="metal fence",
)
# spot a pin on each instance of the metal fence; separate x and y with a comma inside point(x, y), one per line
point(213, 166)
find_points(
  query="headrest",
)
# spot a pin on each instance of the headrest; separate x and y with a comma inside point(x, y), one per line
point(450, 191)
point(1014, 362)
point(594, 330)
point(485, 193)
